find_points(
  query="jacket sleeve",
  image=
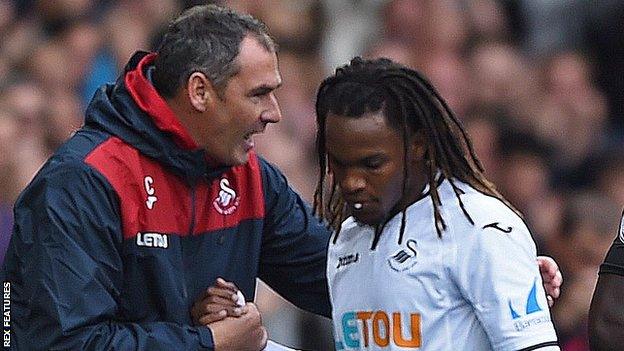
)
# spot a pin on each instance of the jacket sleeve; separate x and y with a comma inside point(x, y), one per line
point(294, 247)
point(65, 270)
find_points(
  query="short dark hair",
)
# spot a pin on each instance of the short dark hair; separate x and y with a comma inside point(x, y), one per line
point(411, 105)
point(204, 39)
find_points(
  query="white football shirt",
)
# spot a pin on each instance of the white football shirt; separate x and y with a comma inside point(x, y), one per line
point(476, 288)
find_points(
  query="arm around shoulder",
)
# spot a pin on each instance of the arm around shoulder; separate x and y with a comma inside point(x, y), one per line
point(294, 246)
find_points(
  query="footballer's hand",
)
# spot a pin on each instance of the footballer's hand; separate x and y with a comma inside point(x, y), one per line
point(551, 276)
point(218, 301)
point(244, 333)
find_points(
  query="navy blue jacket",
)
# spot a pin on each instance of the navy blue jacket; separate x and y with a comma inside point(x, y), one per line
point(127, 224)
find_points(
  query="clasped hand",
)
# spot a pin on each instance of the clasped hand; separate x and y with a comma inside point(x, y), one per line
point(234, 326)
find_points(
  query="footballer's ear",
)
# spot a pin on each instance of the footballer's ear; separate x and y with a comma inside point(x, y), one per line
point(418, 147)
point(201, 93)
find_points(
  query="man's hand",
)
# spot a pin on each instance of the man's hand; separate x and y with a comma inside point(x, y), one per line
point(244, 333)
point(217, 302)
point(551, 276)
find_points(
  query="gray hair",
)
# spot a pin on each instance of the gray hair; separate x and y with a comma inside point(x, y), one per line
point(204, 39)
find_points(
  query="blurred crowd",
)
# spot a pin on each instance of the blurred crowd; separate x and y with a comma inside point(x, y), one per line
point(539, 86)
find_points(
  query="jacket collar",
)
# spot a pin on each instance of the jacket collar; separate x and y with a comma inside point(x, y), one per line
point(150, 102)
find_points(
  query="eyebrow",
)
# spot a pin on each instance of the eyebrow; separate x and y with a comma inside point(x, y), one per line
point(378, 156)
point(375, 157)
point(263, 89)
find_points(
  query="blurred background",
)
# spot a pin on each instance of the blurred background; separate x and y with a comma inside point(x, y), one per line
point(538, 84)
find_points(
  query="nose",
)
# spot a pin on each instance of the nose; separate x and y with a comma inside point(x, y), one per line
point(352, 182)
point(273, 114)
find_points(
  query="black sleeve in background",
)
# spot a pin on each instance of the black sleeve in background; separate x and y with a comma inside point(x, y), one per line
point(614, 262)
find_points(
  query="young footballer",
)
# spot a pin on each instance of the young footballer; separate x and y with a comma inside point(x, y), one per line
point(426, 253)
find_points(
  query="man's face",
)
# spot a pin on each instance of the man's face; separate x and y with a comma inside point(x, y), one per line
point(366, 158)
point(245, 107)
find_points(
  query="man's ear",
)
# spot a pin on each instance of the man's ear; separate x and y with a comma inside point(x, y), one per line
point(418, 147)
point(201, 93)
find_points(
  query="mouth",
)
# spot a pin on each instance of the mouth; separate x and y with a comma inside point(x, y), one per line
point(248, 139)
point(364, 211)
point(356, 206)
point(248, 136)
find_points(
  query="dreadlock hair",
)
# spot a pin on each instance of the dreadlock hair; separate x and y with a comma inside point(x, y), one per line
point(411, 105)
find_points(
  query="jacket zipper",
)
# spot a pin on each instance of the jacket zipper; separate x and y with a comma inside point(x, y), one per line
point(192, 228)
point(190, 233)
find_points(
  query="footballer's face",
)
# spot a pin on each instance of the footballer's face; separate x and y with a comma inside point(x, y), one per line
point(366, 159)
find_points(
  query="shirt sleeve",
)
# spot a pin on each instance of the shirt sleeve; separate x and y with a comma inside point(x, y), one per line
point(66, 273)
point(294, 246)
point(496, 271)
point(614, 261)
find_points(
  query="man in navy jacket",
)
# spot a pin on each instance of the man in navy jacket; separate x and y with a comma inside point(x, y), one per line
point(160, 193)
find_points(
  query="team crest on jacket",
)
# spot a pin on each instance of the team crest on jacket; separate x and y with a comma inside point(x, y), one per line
point(227, 201)
point(404, 258)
